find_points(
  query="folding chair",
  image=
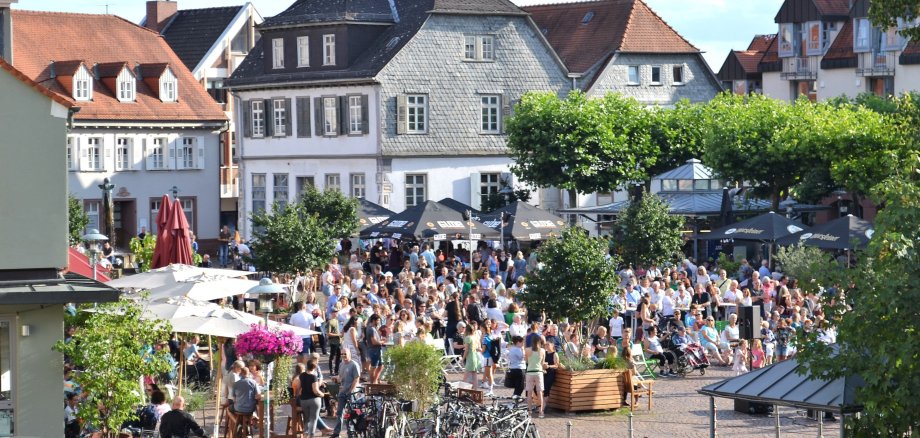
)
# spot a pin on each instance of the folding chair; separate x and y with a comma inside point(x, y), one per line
point(643, 365)
point(452, 363)
point(637, 387)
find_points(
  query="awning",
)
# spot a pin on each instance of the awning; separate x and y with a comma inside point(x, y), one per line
point(72, 288)
point(370, 214)
point(765, 228)
point(527, 224)
point(707, 203)
point(429, 220)
point(79, 264)
point(788, 383)
point(839, 233)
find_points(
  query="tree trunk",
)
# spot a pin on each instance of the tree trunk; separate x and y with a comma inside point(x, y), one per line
point(857, 205)
point(775, 199)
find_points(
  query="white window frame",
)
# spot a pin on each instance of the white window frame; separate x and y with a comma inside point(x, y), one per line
point(188, 207)
point(258, 192)
point(630, 70)
point(155, 205)
point(491, 109)
point(333, 181)
point(417, 113)
point(71, 153)
point(329, 49)
point(81, 90)
point(93, 211)
point(303, 51)
point(330, 116)
point(159, 152)
point(862, 35)
point(94, 154)
point(355, 111)
point(281, 188)
point(257, 111)
point(278, 53)
point(123, 151)
point(490, 183)
point(301, 183)
point(187, 151)
point(358, 185)
point(169, 91)
point(479, 48)
point(680, 69)
point(126, 87)
point(652, 75)
point(418, 190)
point(279, 118)
point(469, 48)
point(487, 48)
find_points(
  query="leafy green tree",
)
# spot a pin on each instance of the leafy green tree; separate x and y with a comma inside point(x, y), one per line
point(143, 250)
point(678, 134)
point(114, 350)
point(290, 239)
point(760, 140)
point(878, 322)
point(77, 220)
point(337, 212)
point(647, 234)
point(575, 280)
point(886, 13)
point(579, 144)
point(813, 267)
point(416, 371)
point(494, 201)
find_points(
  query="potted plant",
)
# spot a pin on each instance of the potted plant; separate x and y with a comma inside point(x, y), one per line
point(583, 385)
point(415, 370)
point(268, 344)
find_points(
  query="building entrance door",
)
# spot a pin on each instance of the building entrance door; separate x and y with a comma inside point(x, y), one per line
point(125, 213)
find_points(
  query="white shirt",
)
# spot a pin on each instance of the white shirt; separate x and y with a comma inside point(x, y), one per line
point(495, 313)
point(302, 319)
point(730, 333)
point(655, 297)
point(518, 330)
point(667, 306)
point(702, 279)
point(729, 297)
point(683, 301)
point(616, 326)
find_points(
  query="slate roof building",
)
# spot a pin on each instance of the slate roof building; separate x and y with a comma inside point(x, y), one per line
point(741, 70)
point(828, 48)
point(212, 43)
point(397, 101)
point(624, 46)
point(143, 121)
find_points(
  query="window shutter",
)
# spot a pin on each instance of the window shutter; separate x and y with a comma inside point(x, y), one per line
point(148, 154)
point(199, 160)
point(137, 153)
point(402, 115)
point(84, 154)
point(506, 110)
point(344, 116)
point(365, 111)
point(318, 112)
point(247, 118)
point(268, 109)
point(171, 163)
point(108, 163)
point(287, 117)
point(475, 192)
point(303, 117)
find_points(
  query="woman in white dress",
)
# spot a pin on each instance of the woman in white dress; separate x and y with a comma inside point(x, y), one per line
point(350, 336)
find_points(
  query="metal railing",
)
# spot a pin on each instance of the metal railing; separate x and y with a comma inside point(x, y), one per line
point(800, 68)
point(876, 63)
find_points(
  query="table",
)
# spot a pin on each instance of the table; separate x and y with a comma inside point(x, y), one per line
point(725, 310)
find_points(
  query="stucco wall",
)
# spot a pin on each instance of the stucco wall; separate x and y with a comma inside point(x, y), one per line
point(775, 87)
point(906, 78)
point(32, 165)
point(839, 82)
point(698, 85)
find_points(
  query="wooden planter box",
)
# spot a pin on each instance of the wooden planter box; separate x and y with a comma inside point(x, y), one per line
point(590, 390)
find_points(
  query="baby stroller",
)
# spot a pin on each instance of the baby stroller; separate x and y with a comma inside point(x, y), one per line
point(693, 358)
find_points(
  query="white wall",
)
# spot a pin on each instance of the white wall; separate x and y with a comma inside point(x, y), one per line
point(906, 78)
point(775, 87)
point(839, 82)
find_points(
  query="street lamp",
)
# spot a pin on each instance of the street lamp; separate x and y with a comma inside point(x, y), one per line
point(468, 217)
point(265, 290)
point(93, 238)
point(175, 192)
point(108, 209)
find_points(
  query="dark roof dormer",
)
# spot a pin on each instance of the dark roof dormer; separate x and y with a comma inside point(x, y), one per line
point(320, 12)
point(801, 11)
point(75, 78)
point(119, 79)
point(161, 80)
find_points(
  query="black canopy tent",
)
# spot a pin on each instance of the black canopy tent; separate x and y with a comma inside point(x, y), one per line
point(429, 220)
point(839, 233)
point(767, 227)
point(787, 383)
point(370, 214)
point(460, 207)
point(528, 223)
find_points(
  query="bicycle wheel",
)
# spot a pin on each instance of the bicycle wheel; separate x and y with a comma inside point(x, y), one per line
point(532, 431)
point(481, 432)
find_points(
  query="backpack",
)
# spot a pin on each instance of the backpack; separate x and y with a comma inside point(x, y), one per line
point(147, 418)
point(495, 349)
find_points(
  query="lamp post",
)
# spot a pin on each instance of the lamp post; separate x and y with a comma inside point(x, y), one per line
point(93, 238)
point(468, 217)
point(504, 218)
point(265, 290)
point(175, 192)
point(108, 209)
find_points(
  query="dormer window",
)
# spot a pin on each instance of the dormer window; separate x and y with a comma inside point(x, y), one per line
point(278, 53)
point(126, 86)
point(168, 86)
point(82, 85)
point(329, 49)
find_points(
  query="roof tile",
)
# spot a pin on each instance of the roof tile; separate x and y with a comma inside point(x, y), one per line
point(842, 47)
point(614, 25)
point(34, 85)
point(192, 32)
point(106, 39)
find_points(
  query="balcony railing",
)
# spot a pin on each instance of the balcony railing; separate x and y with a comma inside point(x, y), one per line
point(800, 68)
point(876, 64)
point(229, 182)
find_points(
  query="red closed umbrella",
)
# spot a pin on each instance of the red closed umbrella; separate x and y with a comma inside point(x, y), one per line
point(179, 240)
point(162, 250)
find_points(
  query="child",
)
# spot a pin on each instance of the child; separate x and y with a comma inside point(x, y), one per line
point(757, 355)
point(746, 297)
point(516, 366)
point(616, 326)
point(769, 341)
point(741, 354)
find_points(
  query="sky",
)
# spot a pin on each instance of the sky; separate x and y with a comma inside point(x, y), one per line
point(713, 26)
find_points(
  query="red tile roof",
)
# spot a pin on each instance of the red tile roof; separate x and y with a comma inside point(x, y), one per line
point(770, 55)
point(749, 60)
point(105, 40)
point(35, 86)
point(615, 25)
point(761, 43)
point(842, 47)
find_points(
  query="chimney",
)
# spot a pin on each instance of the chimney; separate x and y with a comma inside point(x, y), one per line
point(158, 13)
point(6, 30)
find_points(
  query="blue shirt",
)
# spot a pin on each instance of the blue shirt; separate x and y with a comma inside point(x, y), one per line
point(516, 358)
point(632, 298)
point(244, 395)
point(413, 262)
point(487, 343)
point(429, 257)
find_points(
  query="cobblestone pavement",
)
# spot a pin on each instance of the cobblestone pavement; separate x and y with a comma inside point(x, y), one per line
point(677, 411)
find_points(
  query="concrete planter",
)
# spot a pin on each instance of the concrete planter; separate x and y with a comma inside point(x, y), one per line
point(589, 390)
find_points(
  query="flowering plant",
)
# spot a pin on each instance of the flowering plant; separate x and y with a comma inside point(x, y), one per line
point(265, 342)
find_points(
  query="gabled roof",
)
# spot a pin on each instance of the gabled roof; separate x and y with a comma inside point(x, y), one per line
point(911, 54)
point(770, 61)
point(375, 56)
point(840, 53)
point(483, 7)
point(760, 43)
point(322, 11)
point(800, 11)
point(33, 85)
point(110, 69)
point(744, 64)
point(103, 39)
point(192, 32)
point(584, 34)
